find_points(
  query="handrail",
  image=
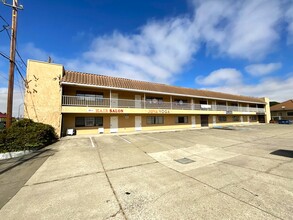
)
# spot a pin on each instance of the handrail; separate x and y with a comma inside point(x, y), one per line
point(128, 103)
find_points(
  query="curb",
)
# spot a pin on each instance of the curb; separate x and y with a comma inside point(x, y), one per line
point(9, 155)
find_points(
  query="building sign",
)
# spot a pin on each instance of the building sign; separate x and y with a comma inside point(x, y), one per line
point(229, 112)
point(158, 111)
point(109, 110)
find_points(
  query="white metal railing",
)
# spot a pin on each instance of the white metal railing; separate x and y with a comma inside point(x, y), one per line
point(128, 103)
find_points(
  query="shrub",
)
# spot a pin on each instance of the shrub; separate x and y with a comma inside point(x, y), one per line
point(26, 135)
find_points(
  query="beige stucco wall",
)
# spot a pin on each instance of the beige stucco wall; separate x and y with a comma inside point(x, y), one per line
point(43, 93)
point(126, 123)
point(267, 110)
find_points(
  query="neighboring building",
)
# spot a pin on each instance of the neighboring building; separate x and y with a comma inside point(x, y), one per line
point(94, 104)
point(282, 111)
point(2, 116)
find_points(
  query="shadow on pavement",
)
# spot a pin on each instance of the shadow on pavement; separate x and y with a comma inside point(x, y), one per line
point(15, 172)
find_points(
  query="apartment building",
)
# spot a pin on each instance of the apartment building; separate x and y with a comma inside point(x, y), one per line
point(93, 104)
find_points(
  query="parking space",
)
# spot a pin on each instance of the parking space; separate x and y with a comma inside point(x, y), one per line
point(243, 173)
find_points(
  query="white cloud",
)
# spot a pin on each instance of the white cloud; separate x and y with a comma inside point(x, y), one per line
point(157, 53)
point(243, 29)
point(225, 76)
point(32, 52)
point(262, 69)
point(17, 102)
point(289, 18)
point(161, 50)
point(275, 88)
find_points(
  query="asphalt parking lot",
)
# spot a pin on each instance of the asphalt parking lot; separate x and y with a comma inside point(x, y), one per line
point(246, 173)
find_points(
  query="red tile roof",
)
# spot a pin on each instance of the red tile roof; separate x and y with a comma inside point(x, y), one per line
point(2, 115)
point(129, 84)
point(288, 105)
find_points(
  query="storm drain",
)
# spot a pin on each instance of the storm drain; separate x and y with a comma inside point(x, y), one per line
point(185, 160)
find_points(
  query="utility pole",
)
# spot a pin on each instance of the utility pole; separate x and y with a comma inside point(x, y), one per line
point(15, 7)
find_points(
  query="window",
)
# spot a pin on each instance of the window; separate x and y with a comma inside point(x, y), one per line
point(154, 100)
point(203, 102)
point(155, 120)
point(221, 103)
point(89, 96)
point(88, 121)
point(181, 119)
point(252, 118)
point(180, 101)
point(222, 118)
point(289, 113)
point(236, 118)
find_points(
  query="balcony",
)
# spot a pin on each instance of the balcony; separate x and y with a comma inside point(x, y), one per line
point(141, 104)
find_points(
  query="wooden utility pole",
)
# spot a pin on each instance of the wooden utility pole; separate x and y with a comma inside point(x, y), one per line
point(12, 63)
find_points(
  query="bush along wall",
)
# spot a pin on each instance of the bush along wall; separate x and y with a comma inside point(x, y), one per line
point(26, 135)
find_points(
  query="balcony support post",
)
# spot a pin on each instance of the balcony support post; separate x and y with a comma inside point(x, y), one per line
point(110, 98)
point(171, 102)
point(192, 102)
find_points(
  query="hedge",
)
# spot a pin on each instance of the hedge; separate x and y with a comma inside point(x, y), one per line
point(26, 135)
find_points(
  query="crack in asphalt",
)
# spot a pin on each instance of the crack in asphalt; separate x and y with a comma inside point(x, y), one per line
point(62, 179)
point(108, 179)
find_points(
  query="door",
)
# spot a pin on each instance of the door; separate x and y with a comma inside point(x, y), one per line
point(204, 120)
point(241, 119)
point(114, 100)
point(137, 101)
point(214, 120)
point(193, 121)
point(114, 124)
point(138, 123)
point(261, 119)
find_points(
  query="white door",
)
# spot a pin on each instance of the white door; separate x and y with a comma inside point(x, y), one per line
point(138, 123)
point(214, 120)
point(248, 119)
point(114, 100)
point(137, 101)
point(241, 119)
point(114, 124)
point(193, 122)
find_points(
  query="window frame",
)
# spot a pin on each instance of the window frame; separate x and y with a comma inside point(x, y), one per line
point(220, 117)
point(289, 113)
point(97, 121)
point(185, 119)
point(153, 120)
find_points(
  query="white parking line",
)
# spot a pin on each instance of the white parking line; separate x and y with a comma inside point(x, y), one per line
point(125, 139)
point(93, 145)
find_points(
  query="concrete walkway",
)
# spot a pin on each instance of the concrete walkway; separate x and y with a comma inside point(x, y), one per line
point(233, 175)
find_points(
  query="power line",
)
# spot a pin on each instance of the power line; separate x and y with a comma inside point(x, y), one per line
point(4, 20)
point(18, 84)
point(5, 56)
point(15, 48)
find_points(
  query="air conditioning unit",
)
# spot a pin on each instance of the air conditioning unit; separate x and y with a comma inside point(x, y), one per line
point(71, 131)
point(101, 130)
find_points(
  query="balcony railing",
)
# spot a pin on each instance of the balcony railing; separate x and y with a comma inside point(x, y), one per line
point(141, 104)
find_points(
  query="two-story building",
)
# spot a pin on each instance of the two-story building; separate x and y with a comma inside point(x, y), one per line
point(92, 104)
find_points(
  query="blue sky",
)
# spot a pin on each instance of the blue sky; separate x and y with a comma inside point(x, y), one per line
point(242, 47)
